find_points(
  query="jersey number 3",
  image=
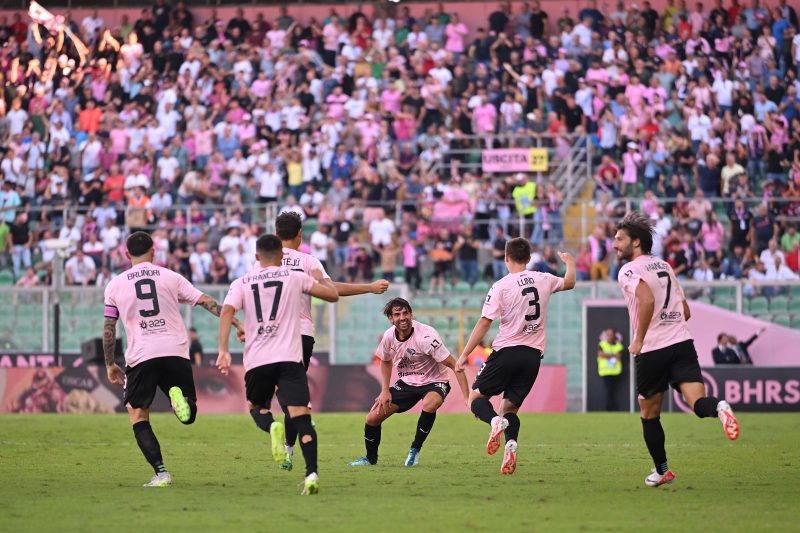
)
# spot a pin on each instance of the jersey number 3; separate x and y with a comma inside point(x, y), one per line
point(537, 308)
point(275, 301)
point(149, 294)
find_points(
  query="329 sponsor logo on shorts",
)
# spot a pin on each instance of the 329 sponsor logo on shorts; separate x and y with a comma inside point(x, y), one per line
point(148, 324)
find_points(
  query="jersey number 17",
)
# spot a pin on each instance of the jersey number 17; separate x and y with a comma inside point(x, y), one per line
point(275, 301)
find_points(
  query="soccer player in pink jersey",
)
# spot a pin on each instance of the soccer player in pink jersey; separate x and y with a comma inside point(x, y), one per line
point(662, 345)
point(289, 229)
point(146, 297)
point(422, 361)
point(520, 300)
point(272, 297)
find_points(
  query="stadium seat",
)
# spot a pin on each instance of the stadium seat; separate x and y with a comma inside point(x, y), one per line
point(6, 278)
point(783, 320)
point(758, 304)
point(779, 304)
point(462, 286)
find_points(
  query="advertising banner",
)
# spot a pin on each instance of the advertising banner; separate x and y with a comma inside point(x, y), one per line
point(515, 160)
point(747, 388)
point(338, 388)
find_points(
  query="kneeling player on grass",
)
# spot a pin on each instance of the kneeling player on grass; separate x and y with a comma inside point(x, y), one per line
point(422, 362)
point(662, 344)
point(146, 297)
point(271, 297)
point(520, 301)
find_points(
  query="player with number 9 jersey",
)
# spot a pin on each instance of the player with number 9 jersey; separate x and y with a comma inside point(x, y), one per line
point(146, 298)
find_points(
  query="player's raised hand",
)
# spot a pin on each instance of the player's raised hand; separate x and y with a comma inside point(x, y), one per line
point(224, 362)
point(115, 374)
point(566, 257)
point(379, 287)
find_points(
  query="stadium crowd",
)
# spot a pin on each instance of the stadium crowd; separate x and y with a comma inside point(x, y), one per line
point(349, 123)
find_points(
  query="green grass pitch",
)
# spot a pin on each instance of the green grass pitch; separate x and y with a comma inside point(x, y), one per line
point(575, 472)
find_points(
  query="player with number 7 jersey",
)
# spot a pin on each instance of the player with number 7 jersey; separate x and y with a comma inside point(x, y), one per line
point(520, 300)
point(662, 344)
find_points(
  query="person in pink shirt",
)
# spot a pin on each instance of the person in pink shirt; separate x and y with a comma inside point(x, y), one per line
point(422, 360)
point(390, 100)
point(146, 298)
point(336, 101)
point(289, 228)
point(662, 344)
point(455, 32)
point(635, 93)
point(271, 297)
point(484, 117)
point(520, 300)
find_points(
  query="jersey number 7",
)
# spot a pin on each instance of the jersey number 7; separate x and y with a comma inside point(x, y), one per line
point(275, 301)
point(669, 286)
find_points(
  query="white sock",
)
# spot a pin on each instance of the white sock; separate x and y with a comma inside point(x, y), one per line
point(289, 449)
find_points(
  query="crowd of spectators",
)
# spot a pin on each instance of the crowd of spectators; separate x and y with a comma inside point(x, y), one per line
point(181, 126)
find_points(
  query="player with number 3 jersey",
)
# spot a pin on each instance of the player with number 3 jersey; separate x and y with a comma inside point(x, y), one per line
point(520, 300)
point(147, 299)
point(662, 344)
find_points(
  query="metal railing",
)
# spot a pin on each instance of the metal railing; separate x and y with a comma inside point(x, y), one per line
point(349, 330)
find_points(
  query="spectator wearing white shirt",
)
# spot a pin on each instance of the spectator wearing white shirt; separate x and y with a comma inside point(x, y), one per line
point(70, 232)
point(232, 248)
point(200, 263)
point(703, 272)
point(381, 230)
point(293, 207)
point(772, 255)
point(321, 244)
point(311, 201)
point(91, 24)
point(90, 153)
point(168, 119)
point(110, 235)
point(80, 269)
point(167, 168)
point(270, 183)
point(161, 201)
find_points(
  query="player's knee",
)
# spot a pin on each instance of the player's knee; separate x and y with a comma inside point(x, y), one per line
point(432, 404)
point(373, 419)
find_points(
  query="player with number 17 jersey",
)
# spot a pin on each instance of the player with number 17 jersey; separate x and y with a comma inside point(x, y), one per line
point(272, 299)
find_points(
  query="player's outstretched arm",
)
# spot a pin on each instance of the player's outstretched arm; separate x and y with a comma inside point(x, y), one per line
point(569, 275)
point(212, 306)
point(461, 377)
point(323, 288)
point(647, 305)
point(354, 289)
point(225, 321)
point(115, 373)
point(478, 333)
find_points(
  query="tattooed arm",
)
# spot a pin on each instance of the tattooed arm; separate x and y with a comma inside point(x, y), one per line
point(115, 373)
point(212, 306)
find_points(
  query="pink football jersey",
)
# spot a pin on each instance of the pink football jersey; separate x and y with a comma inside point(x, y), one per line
point(302, 262)
point(418, 358)
point(272, 299)
point(520, 302)
point(146, 298)
point(668, 325)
